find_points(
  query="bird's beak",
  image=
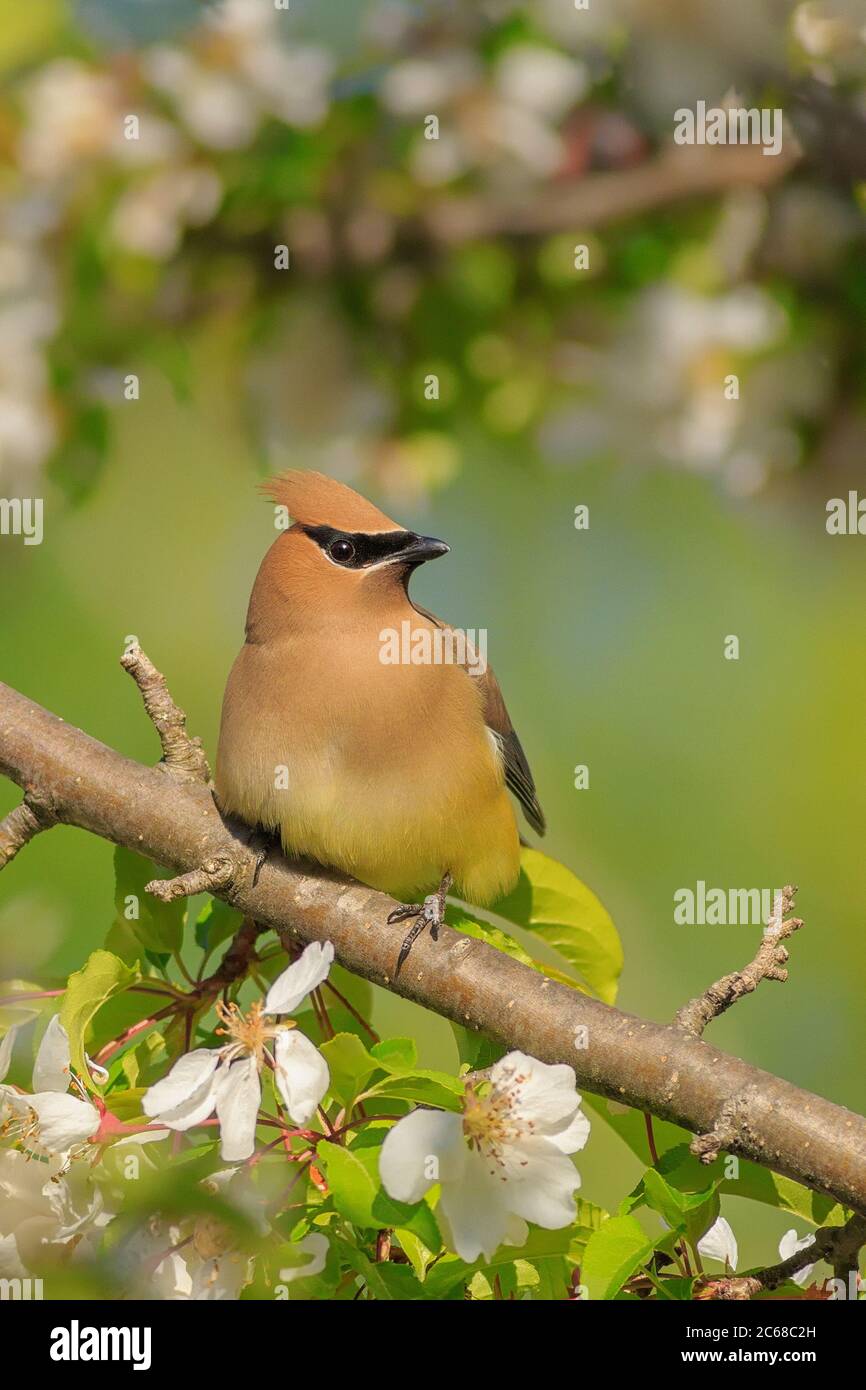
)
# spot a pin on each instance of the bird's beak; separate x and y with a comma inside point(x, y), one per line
point(420, 549)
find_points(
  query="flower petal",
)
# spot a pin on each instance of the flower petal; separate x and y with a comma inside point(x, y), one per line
point(7, 1043)
point(238, 1096)
point(51, 1068)
point(423, 1148)
point(720, 1244)
point(185, 1096)
point(472, 1212)
point(573, 1136)
point(64, 1121)
point(302, 1074)
point(315, 1246)
point(791, 1244)
point(304, 974)
point(542, 1094)
point(540, 1183)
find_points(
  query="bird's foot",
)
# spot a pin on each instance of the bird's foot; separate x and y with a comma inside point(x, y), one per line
point(261, 842)
point(430, 913)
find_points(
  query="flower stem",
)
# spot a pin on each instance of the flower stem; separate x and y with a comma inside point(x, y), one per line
point(358, 1017)
point(654, 1155)
point(117, 1043)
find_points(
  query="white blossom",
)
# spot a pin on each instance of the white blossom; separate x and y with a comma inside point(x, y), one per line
point(227, 1080)
point(40, 1209)
point(501, 1162)
point(50, 1121)
point(720, 1243)
point(792, 1244)
point(315, 1248)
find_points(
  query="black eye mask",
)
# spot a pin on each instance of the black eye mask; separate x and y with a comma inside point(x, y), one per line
point(355, 550)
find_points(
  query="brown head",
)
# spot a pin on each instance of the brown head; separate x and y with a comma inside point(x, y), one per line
point(340, 555)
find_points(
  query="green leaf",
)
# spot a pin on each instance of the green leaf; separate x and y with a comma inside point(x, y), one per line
point(419, 1255)
point(396, 1054)
point(613, 1254)
point(350, 1065)
point(676, 1290)
point(682, 1169)
point(422, 1088)
point(450, 1273)
point(102, 976)
point(384, 1212)
point(588, 1218)
point(352, 1188)
point(416, 1217)
point(553, 904)
point(463, 921)
point(474, 1050)
point(671, 1203)
point(158, 926)
point(216, 923)
point(690, 1212)
point(384, 1281)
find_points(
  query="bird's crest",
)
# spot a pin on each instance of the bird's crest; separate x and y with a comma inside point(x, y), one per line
point(313, 499)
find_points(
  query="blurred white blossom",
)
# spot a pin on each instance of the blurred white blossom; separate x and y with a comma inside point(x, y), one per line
point(152, 215)
point(74, 114)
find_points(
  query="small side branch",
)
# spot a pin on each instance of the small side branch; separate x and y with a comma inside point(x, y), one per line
point(213, 876)
point(182, 755)
point(237, 959)
point(768, 964)
point(838, 1245)
point(20, 826)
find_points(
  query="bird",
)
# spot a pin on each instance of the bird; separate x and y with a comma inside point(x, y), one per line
point(395, 773)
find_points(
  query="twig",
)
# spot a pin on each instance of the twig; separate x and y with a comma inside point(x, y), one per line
point(182, 756)
point(356, 1014)
point(768, 964)
point(22, 823)
point(236, 960)
point(839, 1245)
point(210, 877)
point(652, 1067)
point(677, 172)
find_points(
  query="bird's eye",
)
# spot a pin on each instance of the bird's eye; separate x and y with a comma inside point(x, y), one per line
point(341, 550)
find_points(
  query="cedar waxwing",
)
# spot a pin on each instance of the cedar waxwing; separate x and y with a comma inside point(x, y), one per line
point(394, 773)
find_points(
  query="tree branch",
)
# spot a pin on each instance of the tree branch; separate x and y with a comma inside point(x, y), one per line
point(19, 827)
point(768, 964)
point(652, 1067)
point(678, 172)
point(182, 756)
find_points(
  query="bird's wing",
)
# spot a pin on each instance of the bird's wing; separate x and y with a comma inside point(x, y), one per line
point(518, 774)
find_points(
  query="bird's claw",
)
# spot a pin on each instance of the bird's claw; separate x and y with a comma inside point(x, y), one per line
point(407, 910)
point(430, 913)
point(261, 842)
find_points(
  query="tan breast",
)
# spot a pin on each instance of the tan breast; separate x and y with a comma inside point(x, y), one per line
point(384, 771)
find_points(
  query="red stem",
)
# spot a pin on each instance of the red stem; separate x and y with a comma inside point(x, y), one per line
point(117, 1043)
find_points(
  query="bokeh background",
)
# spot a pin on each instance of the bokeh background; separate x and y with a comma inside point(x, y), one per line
point(304, 127)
